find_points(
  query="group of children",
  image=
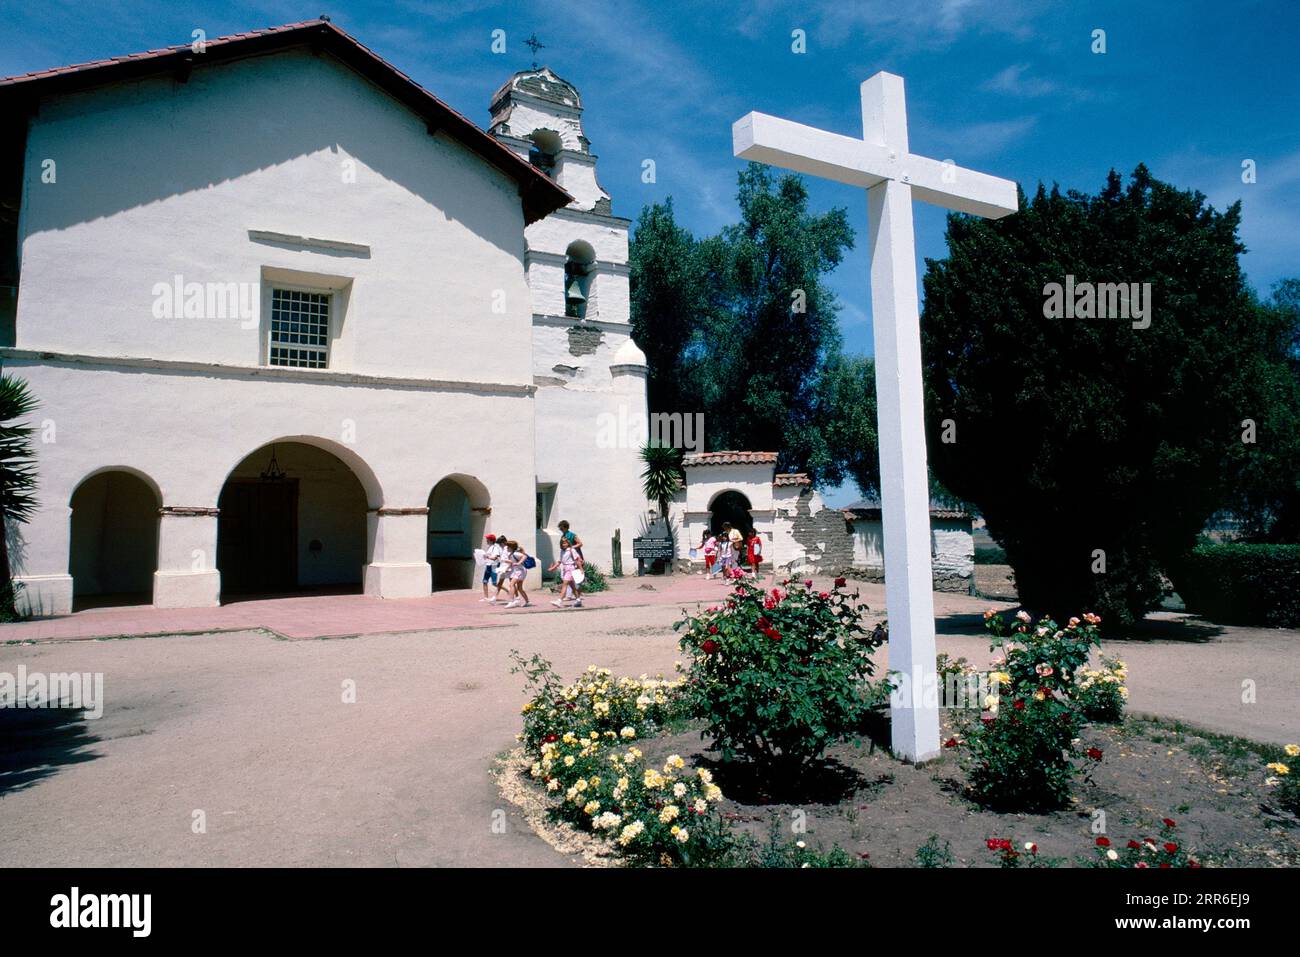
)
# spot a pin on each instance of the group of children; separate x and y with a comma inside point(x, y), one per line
point(730, 549)
point(506, 564)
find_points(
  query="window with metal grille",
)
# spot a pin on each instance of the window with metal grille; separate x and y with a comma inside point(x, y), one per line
point(300, 329)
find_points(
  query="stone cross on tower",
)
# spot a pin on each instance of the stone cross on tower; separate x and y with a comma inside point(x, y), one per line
point(882, 164)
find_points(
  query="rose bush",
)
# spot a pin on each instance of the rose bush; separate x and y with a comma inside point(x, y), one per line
point(1022, 754)
point(777, 676)
point(1101, 692)
point(595, 702)
point(1167, 852)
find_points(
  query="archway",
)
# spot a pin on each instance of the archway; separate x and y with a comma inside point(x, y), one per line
point(292, 516)
point(113, 541)
point(458, 510)
point(730, 507)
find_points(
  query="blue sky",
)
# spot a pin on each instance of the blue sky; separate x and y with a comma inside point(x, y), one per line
point(1011, 88)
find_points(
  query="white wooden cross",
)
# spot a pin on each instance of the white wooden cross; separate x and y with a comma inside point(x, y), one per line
point(882, 164)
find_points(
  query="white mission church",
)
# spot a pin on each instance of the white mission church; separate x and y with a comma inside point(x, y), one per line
point(293, 322)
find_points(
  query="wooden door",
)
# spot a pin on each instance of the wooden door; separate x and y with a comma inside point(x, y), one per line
point(257, 536)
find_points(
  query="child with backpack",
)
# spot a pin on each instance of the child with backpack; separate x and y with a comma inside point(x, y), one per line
point(520, 562)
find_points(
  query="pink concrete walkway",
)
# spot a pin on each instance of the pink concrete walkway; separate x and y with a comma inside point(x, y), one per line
point(327, 616)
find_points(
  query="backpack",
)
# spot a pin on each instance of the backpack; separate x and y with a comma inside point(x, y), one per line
point(530, 562)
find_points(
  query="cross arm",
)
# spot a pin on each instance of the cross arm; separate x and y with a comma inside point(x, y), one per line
point(846, 159)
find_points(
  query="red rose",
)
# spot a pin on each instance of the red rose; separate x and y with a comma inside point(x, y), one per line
point(1171, 848)
point(551, 738)
point(1018, 704)
point(774, 634)
point(709, 646)
point(1134, 845)
point(1094, 753)
point(713, 629)
point(840, 583)
point(1103, 842)
point(763, 623)
point(1168, 822)
point(950, 743)
point(992, 843)
point(1164, 864)
point(1032, 848)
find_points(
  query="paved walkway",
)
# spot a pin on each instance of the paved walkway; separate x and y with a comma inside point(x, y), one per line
point(329, 616)
point(253, 736)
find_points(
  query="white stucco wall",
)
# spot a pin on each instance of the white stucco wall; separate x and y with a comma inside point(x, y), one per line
point(431, 361)
point(157, 179)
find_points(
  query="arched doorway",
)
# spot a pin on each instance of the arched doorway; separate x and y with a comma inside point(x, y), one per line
point(730, 507)
point(458, 510)
point(113, 544)
point(292, 516)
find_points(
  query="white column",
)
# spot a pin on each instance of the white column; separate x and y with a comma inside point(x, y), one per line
point(38, 560)
point(900, 396)
point(398, 548)
point(187, 575)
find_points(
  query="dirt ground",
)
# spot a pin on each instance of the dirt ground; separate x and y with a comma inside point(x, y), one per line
point(868, 803)
point(251, 735)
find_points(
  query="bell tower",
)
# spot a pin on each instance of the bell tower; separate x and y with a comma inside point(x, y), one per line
point(590, 405)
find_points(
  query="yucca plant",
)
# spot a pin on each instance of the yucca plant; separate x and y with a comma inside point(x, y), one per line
point(663, 474)
point(17, 476)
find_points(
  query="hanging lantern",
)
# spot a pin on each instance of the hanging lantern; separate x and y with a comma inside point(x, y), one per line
point(273, 472)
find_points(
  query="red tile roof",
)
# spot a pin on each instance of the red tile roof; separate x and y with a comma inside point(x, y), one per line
point(792, 478)
point(729, 458)
point(540, 194)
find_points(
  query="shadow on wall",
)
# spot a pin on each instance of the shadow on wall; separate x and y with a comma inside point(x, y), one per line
point(35, 743)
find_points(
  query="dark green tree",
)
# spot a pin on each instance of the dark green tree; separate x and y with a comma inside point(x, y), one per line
point(742, 326)
point(17, 477)
point(1087, 443)
point(1268, 504)
point(667, 305)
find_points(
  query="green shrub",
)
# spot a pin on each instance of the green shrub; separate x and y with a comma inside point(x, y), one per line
point(596, 701)
point(1020, 757)
point(990, 556)
point(779, 676)
point(1242, 584)
point(1020, 753)
point(932, 855)
point(1101, 692)
point(593, 581)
